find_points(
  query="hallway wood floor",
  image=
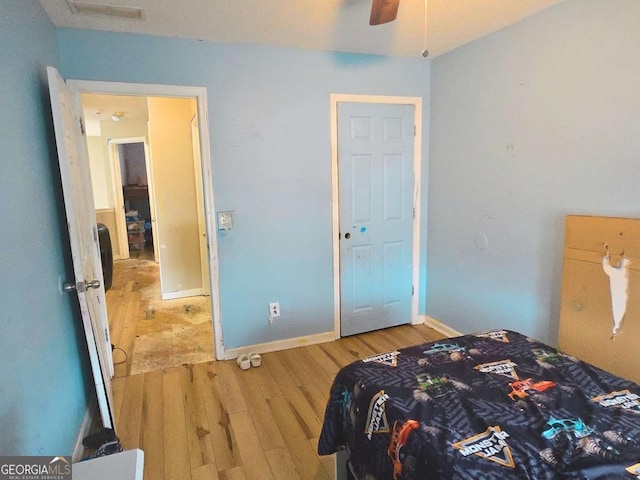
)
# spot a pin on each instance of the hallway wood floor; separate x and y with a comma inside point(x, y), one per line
point(151, 333)
point(214, 421)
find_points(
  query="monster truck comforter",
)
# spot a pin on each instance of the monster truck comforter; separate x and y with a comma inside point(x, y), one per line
point(494, 405)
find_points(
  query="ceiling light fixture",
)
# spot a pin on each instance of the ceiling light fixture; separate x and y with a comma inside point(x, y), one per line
point(117, 116)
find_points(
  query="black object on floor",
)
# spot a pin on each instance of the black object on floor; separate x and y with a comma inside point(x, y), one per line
point(98, 439)
point(108, 448)
point(106, 255)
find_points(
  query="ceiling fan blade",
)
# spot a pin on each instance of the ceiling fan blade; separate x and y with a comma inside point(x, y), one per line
point(383, 11)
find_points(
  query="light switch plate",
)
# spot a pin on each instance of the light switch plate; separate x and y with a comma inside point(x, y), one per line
point(225, 220)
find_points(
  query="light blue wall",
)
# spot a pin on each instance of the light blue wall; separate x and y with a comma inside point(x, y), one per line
point(42, 388)
point(529, 124)
point(269, 123)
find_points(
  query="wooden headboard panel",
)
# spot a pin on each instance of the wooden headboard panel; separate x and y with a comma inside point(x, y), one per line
point(586, 315)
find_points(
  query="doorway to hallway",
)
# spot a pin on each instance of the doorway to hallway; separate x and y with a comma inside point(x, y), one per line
point(159, 307)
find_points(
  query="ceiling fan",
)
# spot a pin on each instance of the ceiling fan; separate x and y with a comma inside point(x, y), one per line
point(383, 11)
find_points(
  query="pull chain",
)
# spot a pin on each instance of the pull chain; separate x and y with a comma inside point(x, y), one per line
point(425, 52)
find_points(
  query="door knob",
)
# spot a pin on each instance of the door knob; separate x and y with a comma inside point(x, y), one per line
point(81, 286)
point(347, 235)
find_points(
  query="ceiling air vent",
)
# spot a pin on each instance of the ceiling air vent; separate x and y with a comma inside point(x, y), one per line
point(97, 9)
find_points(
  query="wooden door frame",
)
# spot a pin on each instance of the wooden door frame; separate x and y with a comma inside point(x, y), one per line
point(200, 94)
point(416, 102)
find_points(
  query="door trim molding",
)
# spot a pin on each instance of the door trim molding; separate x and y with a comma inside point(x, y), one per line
point(200, 94)
point(416, 102)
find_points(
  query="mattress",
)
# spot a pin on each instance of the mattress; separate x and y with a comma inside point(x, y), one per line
point(491, 405)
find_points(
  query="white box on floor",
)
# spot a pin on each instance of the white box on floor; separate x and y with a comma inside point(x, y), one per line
point(126, 465)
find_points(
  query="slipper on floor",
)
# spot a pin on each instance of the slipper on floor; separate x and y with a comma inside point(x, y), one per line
point(244, 362)
point(256, 359)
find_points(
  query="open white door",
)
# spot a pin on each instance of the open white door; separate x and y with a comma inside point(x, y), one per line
point(83, 234)
point(202, 225)
point(118, 200)
point(152, 202)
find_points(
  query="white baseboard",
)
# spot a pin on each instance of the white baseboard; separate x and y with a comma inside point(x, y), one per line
point(230, 353)
point(85, 429)
point(441, 327)
point(182, 294)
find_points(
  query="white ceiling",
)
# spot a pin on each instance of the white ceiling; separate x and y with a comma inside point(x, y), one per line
point(334, 25)
point(99, 108)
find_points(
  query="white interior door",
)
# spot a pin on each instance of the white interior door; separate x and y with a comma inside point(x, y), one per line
point(202, 225)
point(118, 200)
point(83, 234)
point(152, 202)
point(376, 191)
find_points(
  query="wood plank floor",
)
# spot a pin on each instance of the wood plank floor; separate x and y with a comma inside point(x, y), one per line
point(214, 421)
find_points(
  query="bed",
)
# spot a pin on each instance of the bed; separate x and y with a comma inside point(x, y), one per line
point(492, 405)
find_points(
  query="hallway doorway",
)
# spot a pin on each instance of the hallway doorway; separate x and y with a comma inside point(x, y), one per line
point(159, 306)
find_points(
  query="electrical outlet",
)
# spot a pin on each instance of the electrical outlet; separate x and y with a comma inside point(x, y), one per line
point(274, 309)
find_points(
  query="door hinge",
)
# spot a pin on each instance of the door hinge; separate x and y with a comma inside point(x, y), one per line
point(412, 291)
point(81, 126)
point(414, 213)
point(415, 130)
point(106, 334)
